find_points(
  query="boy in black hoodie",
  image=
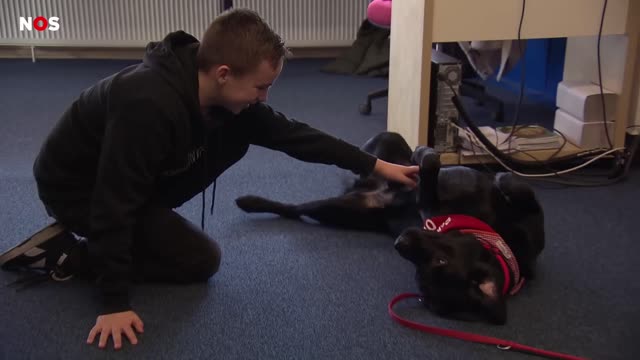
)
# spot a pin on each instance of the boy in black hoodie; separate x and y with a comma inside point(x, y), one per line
point(145, 140)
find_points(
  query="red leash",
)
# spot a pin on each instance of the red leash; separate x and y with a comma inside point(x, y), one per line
point(502, 344)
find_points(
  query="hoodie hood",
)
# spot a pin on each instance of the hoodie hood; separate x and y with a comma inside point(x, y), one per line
point(174, 58)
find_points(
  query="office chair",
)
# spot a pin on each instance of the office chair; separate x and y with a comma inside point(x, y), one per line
point(379, 14)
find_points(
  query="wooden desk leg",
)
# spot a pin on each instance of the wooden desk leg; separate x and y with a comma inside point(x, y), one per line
point(624, 101)
point(410, 69)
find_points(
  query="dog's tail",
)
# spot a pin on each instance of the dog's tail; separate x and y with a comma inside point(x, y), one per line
point(257, 204)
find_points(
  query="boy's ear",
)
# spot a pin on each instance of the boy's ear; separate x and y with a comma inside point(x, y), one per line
point(221, 73)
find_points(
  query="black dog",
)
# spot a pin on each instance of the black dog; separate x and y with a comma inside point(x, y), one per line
point(473, 237)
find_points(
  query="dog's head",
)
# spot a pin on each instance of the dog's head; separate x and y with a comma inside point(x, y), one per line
point(457, 276)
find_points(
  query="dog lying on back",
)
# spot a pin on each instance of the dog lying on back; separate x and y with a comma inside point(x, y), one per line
point(472, 237)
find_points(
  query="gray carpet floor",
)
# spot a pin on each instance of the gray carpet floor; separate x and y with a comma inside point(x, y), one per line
point(294, 290)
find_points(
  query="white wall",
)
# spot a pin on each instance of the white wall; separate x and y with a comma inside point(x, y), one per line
point(581, 64)
point(127, 23)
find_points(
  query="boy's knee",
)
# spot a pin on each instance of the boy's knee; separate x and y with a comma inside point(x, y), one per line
point(209, 263)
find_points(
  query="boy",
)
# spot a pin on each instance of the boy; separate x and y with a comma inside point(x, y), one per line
point(147, 139)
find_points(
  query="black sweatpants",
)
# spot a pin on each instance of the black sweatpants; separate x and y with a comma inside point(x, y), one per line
point(166, 247)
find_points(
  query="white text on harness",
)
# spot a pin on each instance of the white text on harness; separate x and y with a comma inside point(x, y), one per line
point(430, 225)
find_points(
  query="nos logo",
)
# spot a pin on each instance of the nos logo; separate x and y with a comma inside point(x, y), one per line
point(40, 23)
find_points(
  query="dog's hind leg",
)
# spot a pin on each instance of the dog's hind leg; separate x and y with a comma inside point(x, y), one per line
point(357, 210)
point(257, 204)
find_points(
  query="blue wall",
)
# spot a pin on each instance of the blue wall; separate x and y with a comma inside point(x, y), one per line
point(543, 71)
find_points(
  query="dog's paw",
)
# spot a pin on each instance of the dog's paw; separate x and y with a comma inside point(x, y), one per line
point(421, 152)
point(251, 203)
point(430, 163)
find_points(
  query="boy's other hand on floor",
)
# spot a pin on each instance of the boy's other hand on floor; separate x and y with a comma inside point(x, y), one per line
point(115, 325)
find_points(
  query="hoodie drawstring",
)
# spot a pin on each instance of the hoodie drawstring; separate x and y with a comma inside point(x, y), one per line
point(204, 180)
point(213, 202)
point(204, 177)
point(213, 195)
point(202, 213)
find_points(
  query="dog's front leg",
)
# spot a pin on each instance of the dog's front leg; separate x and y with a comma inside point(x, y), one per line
point(429, 161)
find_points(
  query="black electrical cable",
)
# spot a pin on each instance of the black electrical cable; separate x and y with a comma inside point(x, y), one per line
point(563, 179)
point(508, 160)
point(630, 153)
point(523, 68)
point(604, 112)
point(537, 163)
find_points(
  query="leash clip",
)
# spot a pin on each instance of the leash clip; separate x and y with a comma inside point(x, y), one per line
point(504, 347)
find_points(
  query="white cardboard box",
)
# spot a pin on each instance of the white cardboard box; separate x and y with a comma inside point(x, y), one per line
point(585, 135)
point(583, 102)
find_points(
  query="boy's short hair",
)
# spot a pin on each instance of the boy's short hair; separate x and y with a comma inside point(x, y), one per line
point(240, 39)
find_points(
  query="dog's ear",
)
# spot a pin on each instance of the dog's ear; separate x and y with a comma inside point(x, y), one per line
point(408, 246)
point(412, 244)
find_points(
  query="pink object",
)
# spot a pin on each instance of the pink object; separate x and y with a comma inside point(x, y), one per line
point(379, 13)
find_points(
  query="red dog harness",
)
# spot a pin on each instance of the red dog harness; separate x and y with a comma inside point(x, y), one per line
point(489, 239)
point(494, 242)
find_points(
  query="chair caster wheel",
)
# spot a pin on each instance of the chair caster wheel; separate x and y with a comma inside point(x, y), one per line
point(365, 109)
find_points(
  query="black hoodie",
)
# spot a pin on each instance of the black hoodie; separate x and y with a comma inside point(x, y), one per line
point(139, 138)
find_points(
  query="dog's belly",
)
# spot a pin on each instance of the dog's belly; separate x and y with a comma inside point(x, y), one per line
point(376, 199)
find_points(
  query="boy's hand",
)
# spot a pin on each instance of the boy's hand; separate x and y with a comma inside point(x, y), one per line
point(407, 175)
point(114, 325)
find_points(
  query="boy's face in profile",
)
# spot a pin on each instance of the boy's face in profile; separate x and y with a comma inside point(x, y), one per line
point(238, 92)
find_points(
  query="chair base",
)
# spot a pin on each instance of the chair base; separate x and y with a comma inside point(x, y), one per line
point(365, 109)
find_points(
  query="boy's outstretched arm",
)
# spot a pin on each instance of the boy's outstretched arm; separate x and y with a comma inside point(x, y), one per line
point(273, 130)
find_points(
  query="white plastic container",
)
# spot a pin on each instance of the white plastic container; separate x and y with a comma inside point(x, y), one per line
point(585, 135)
point(582, 101)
